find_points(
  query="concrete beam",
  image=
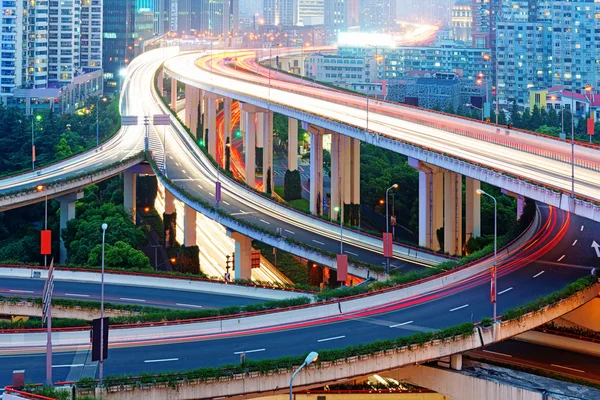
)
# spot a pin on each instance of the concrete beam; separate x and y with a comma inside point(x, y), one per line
point(473, 209)
point(129, 193)
point(316, 170)
point(67, 213)
point(243, 254)
point(292, 144)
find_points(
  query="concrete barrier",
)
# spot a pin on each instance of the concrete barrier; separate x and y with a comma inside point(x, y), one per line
point(156, 282)
point(561, 342)
point(276, 382)
point(28, 309)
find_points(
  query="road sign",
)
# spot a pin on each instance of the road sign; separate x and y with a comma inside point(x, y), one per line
point(161, 119)
point(393, 220)
point(129, 120)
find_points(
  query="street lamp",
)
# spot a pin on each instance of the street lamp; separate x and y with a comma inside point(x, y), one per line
point(562, 114)
point(477, 108)
point(104, 226)
point(310, 358)
point(340, 212)
point(387, 222)
point(33, 119)
point(480, 81)
point(588, 89)
point(489, 57)
point(493, 289)
point(98, 118)
point(42, 188)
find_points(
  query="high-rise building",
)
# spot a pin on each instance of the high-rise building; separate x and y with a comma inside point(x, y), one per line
point(462, 20)
point(485, 15)
point(378, 15)
point(209, 17)
point(546, 43)
point(339, 16)
point(119, 40)
point(310, 12)
point(280, 12)
point(45, 46)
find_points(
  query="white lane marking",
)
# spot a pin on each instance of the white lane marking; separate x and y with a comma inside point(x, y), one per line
point(171, 157)
point(200, 186)
point(402, 324)
point(187, 305)
point(575, 242)
point(179, 165)
point(495, 352)
point(249, 351)
point(129, 299)
point(212, 194)
point(20, 291)
point(161, 360)
point(505, 290)
point(561, 257)
point(321, 243)
point(351, 253)
point(265, 222)
point(288, 231)
point(226, 203)
point(67, 366)
point(459, 308)
point(570, 369)
point(581, 230)
point(77, 295)
point(538, 274)
point(331, 338)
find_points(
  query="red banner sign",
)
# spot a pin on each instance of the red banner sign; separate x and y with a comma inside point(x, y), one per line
point(46, 243)
point(342, 267)
point(387, 245)
point(493, 285)
point(590, 126)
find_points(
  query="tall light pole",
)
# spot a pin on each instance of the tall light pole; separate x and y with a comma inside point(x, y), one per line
point(588, 89)
point(494, 288)
point(387, 222)
point(33, 119)
point(489, 57)
point(98, 119)
point(480, 80)
point(104, 226)
point(310, 358)
point(572, 148)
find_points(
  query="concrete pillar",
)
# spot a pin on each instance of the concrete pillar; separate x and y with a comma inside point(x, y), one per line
point(452, 213)
point(316, 170)
point(431, 203)
point(169, 202)
point(161, 82)
point(347, 169)
point(292, 144)
point(129, 193)
point(243, 254)
point(192, 96)
point(355, 171)
point(267, 134)
point(260, 128)
point(211, 118)
point(456, 362)
point(337, 172)
point(174, 94)
point(226, 122)
point(473, 209)
point(67, 213)
point(189, 226)
point(249, 148)
point(520, 206)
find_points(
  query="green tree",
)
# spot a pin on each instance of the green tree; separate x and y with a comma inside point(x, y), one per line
point(120, 255)
point(292, 185)
point(63, 150)
point(515, 116)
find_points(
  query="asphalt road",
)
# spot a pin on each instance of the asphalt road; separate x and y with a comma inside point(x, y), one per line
point(124, 294)
point(454, 305)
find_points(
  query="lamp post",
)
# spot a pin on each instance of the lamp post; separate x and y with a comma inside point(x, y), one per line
point(104, 226)
point(489, 57)
point(572, 148)
point(310, 358)
point(588, 89)
point(562, 114)
point(387, 222)
point(494, 288)
point(42, 188)
point(340, 211)
point(33, 119)
point(477, 108)
point(98, 119)
point(481, 78)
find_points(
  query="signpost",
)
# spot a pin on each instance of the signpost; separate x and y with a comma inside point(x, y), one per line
point(47, 316)
point(129, 120)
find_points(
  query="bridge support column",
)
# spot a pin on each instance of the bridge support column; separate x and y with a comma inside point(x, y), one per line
point(267, 134)
point(67, 213)
point(189, 226)
point(452, 213)
point(473, 209)
point(211, 124)
point(169, 202)
point(316, 169)
point(431, 202)
point(250, 148)
point(129, 193)
point(456, 362)
point(226, 124)
point(354, 172)
point(520, 206)
point(173, 94)
point(337, 173)
point(161, 82)
point(292, 144)
point(243, 256)
point(192, 98)
point(260, 128)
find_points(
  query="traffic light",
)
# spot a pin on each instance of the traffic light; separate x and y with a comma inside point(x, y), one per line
point(201, 143)
point(238, 133)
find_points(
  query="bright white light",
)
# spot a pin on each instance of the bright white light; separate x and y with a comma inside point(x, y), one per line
point(366, 39)
point(123, 72)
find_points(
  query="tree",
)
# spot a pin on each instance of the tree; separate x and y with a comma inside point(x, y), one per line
point(515, 116)
point(536, 118)
point(228, 155)
point(63, 150)
point(120, 255)
point(268, 176)
point(292, 185)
